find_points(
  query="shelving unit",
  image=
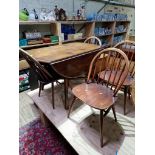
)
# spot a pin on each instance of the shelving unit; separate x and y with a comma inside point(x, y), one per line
point(120, 31)
point(54, 28)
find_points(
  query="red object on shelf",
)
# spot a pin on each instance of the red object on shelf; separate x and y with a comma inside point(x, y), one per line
point(21, 78)
point(46, 40)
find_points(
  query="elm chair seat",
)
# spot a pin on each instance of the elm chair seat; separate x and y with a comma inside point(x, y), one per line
point(94, 95)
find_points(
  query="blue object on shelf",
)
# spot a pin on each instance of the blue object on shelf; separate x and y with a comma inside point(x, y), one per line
point(67, 29)
point(22, 42)
point(90, 17)
point(107, 17)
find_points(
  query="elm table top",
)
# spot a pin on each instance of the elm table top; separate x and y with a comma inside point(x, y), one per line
point(62, 52)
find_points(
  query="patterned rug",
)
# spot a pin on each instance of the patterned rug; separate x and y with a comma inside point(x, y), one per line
point(35, 139)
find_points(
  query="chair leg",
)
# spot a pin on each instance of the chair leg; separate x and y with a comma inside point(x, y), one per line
point(52, 85)
point(70, 107)
point(101, 128)
point(40, 87)
point(66, 92)
point(113, 109)
point(129, 92)
point(125, 97)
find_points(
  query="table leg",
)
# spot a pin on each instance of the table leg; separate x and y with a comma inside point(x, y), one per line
point(66, 82)
point(44, 119)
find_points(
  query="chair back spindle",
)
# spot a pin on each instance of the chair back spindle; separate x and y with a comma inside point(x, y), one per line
point(128, 47)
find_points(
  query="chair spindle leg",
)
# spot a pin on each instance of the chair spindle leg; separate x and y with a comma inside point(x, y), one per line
point(129, 92)
point(101, 128)
point(40, 88)
point(52, 85)
point(125, 98)
point(66, 92)
point(113, 109)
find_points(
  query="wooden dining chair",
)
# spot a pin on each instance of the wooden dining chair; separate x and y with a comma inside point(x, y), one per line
point(96, 92)
point(44, 77)
point(93, 40)
point(128, 47)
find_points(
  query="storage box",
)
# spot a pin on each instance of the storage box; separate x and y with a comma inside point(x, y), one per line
point(75, 36)
point(33, 42)
point(70, 36)
point(46, 40)
point(78, 35)
point(33, 35)
point(54, 39)
point(22, 42)
point(61, 37)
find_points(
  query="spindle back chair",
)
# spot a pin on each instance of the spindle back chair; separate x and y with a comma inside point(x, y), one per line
point(96, 92)
point(128, 47)
point(44, 77)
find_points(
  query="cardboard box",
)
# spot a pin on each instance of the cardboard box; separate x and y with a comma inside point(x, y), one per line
point(70, 36)
point(75, 36)
point(78, 35)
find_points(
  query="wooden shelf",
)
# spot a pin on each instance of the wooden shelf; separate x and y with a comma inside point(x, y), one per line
point(105, 35)
point(38, 45)
point(50, 22)
point(75, 22)
point(100, 21)
point(89, 29)
point(120, 32)
point(119, 21)
point(35, 22)
point(66, 22)
point(65, 41)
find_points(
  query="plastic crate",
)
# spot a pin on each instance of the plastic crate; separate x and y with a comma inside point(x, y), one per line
point(54, 39)
point(22, 42)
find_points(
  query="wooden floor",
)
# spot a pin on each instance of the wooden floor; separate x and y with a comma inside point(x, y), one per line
point(82, 130)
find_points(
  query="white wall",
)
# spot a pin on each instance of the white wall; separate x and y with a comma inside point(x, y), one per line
point(66, 4)
point(91, 7)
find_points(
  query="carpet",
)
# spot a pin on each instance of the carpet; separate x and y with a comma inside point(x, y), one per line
point(35, 139)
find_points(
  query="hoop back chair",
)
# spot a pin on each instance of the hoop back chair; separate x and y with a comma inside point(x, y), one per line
point(128, 47)
point(95, 92)
point(93, 40)
point(44, 77)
